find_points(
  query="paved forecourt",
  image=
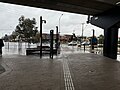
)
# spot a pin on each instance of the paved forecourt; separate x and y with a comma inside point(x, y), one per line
point(68, 71)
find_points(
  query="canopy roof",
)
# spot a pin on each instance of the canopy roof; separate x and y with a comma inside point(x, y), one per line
point(88, 7)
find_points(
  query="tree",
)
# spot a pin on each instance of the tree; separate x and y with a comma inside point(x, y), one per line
point(26, 28)
point(13, 36)
point(101, 39)
point(118, 40)
point(6, 38)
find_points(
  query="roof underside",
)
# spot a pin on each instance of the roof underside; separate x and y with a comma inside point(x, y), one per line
point(88, 7)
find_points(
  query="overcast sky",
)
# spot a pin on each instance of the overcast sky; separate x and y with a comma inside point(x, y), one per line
point(69, 22)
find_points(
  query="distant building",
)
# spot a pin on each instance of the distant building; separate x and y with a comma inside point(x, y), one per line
point(65, 38)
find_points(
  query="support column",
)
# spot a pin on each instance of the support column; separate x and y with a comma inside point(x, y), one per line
point(110, 42)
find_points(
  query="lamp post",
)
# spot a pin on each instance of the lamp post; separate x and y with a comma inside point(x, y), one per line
point(59, 25)
point(82, 29)
point(59, 22)
point(41, 21)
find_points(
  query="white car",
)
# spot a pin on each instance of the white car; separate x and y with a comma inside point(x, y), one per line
point(72, 43)
point(85, 43)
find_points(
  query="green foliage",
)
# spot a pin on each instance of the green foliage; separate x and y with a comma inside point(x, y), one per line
point(26, 28)
point(118, 40)
point(101, 39)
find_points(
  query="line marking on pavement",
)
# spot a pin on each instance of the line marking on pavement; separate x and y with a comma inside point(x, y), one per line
point(67, 76)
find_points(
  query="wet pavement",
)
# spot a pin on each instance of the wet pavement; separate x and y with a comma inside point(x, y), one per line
point(94, 72)
point(2, 69)
point(73, 69)
point(31, 73)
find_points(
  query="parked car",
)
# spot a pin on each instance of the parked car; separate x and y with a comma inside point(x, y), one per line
point(85, 43)
point(72, 43)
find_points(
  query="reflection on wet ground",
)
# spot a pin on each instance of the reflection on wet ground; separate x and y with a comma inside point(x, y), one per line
point(20, 48)
point(16, 48)
point(75, 69)
point(12, 48)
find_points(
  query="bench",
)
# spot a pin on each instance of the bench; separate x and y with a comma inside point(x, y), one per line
point(45, 50)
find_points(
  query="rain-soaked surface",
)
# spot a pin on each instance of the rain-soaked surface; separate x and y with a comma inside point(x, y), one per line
point(15, 48)
point(12, 48)
point(76, 67)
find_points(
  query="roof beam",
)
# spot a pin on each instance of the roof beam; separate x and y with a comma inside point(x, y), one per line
point(91, 7)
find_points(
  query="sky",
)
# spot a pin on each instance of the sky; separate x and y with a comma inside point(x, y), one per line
point(69, 22)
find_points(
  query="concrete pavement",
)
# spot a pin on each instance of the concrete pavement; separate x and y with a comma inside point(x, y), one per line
point(32, 73)
point(2, 69)
point(69, 71)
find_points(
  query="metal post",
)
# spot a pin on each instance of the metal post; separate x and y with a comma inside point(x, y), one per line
point(84, 47)
point(40, 36)
point(93, 33)
point(57, 37)
point(59, 28)
point(51, 44)
point(92, 40)
point(59, 22)
point(41, 21)
point(82, 29)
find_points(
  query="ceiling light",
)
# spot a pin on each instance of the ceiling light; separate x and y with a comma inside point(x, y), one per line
point(96, 18)
point(118, 3)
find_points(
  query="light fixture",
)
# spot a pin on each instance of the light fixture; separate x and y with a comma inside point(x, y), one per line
point(96, 18)
point(117, 3)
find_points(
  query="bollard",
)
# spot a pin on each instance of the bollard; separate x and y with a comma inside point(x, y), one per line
point(92, 49)
point(57, 38)
point(84, 47)
point(51, 44)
